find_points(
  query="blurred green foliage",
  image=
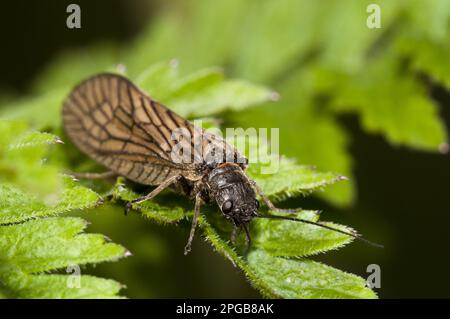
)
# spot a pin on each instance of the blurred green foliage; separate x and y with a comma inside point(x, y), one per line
point(31, 245)
point(323, 62)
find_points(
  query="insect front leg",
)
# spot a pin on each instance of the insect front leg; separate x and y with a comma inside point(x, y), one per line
point(153, 193)
point(198, 204)
point(234, 234)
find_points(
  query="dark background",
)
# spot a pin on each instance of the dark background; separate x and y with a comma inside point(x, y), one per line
point(404, 194)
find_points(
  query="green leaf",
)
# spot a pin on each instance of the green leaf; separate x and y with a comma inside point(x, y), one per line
point(397, 108)
point(41, 111)
point(293, 179)
point(157, 79)
point(21, 158)
point(279, 277)
point(17, 206)
point(301, 278)
point(202, 93)
point(234, 95)
point(31, 248)
point(197, 81)
point(428, 57)
point(59, 287)
point(31, 139)
point(31, 245)
point(52, 243)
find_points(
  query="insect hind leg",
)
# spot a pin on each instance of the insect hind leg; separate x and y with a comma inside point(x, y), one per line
point(153, 193)
point(198, 204)
point(234, 234)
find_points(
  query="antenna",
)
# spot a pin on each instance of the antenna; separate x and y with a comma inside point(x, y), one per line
point(356, 236)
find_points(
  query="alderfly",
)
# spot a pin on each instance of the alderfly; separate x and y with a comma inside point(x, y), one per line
point(108, 118)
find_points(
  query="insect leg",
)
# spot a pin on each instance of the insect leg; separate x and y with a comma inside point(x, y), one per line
point(269, 202)
point(103, 175)
point(234, 233)
point(248, 238)
point(198, 204)
point(153, 193)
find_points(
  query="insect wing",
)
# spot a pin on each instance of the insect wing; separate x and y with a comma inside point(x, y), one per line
point(119, 126)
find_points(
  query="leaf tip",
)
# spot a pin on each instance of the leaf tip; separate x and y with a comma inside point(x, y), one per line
point(443, 148)
point(121, 68)
point(51, 199)
point(274, 96)
point(100, 201)
point(173, 63)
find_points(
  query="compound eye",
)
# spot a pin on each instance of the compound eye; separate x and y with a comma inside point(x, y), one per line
point(227, 206)
point(257, 204)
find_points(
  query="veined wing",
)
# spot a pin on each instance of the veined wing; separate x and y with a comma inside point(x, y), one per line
point(119, 126)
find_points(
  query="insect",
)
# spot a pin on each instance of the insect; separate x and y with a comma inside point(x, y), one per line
point(116, 124)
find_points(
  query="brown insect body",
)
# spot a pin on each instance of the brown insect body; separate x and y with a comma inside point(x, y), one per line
point(116, 124)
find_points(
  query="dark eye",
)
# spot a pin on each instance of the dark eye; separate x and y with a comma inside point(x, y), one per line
point(226, 207)
point(256, 204)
